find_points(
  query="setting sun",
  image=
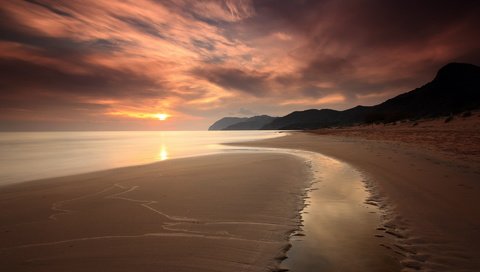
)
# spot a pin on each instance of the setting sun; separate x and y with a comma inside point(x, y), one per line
point(162, 116)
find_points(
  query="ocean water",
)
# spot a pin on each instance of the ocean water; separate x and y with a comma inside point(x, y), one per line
point(35, 155)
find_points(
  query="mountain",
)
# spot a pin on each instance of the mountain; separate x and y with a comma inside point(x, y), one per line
point(455, 88)
point(312, 119)
point(256, 122)
point(225, 122)
point(241, 123)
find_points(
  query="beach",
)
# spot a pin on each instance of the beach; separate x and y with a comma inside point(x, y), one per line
point(455, 138)
point(380, 206)
point(210, 213)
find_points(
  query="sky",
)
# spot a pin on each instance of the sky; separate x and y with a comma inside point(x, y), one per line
point(124, 65)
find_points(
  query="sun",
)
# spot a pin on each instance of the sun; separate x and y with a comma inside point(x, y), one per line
point(162, 116)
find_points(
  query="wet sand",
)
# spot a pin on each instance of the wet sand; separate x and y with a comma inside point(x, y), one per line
point(339, 224)
point(231, 212)
point(431, 202)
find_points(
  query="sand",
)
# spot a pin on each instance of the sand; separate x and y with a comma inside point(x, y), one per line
point(231, 212)
point(431, 201)
point(457, 139)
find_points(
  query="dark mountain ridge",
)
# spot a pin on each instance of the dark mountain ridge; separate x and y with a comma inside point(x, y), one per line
point(455, 88)
point(255, 122)
point(225, 122)
point(242, 123)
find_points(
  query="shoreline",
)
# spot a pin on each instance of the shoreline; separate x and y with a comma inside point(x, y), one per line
point(58, 154)
point(431, 204)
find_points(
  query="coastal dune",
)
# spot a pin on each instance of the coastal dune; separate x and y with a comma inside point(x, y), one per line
point(230, 212)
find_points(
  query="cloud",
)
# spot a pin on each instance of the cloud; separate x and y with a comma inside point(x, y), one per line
point(145, 27)
point(329, 99)
point(50, 8)
point(244, 112)
point(365, 47)
point(283, 36)
point(198, 60)
point(223, 10)
point(249, 82)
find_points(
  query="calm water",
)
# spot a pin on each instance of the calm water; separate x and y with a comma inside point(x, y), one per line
point(34, 155)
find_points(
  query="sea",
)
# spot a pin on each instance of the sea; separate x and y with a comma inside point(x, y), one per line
point(26, 156)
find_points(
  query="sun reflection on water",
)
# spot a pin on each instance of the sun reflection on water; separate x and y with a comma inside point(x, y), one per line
point(163, 153)
point(93, 150)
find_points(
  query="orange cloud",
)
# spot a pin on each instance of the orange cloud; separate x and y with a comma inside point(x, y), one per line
point(329, 99)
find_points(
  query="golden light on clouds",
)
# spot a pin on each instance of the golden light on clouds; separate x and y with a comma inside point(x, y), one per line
point(162, 116)
point(329, 99)
point(142, 115)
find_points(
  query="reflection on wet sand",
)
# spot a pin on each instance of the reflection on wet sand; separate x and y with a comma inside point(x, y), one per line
point(338, 226)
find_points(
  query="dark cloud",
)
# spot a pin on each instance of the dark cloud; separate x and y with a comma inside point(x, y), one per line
point(371, 46)
point(210, 46)
point(59, 47)
point(143, 26)
point(383, 21)
point(328, 67)
point(50, 8)
point(22, 76)
point(249, 82)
